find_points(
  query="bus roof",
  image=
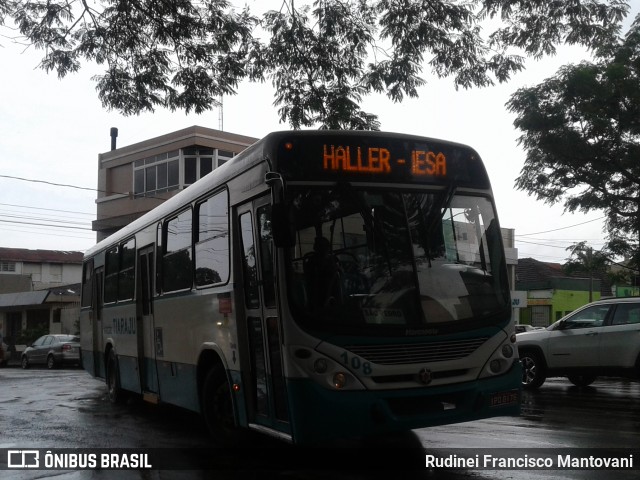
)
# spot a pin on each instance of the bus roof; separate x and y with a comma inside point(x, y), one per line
point(332, 155)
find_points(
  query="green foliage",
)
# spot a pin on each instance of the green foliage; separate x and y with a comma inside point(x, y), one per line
point(581, 132)
point(323, 59)
point(584, 260)
point(30, 335)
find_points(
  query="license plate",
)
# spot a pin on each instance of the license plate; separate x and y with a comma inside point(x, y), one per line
point(501, 399)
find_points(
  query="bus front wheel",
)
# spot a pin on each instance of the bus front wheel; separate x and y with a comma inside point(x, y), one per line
point(217, 408)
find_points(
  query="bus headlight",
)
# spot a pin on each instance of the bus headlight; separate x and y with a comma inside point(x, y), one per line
point(501, 360)
point(339, 380)
point(320, 365)
point(322, 369)
point(496, 365)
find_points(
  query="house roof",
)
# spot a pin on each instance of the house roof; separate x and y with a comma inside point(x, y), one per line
point(39, 256)
point(532, 274)
point(23, 299)
point(530, 270)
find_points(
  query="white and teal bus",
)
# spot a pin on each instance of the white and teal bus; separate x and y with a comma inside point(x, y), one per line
point(319, 285)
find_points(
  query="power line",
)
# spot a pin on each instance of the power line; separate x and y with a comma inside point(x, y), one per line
point(544, 244)
point(66, 185)
point(45, 225)
point(561, 228)
point(48, 209)
point(87, 236)
point(75, 221)
point(31, 180)
point(529, 254)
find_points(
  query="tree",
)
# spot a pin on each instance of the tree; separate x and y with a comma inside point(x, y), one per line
point(584, 260)
point(581, 133)
point(322, 59)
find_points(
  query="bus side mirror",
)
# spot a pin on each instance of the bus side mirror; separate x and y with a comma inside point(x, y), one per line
point(284, 235)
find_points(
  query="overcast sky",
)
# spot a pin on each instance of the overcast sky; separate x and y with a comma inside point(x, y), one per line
point(53, 130)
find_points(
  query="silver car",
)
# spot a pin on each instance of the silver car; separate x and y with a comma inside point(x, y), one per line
point(52, 351)
point(601, 338)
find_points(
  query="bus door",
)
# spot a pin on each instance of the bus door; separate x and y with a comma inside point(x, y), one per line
point(268, 400)
point(96, 323)
point(144, 309)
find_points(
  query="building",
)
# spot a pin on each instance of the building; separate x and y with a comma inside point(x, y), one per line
point(551, 294)
point(511, 254)
point(136, 178)
point(39, 293)
point(40, 289)
point(26, 270)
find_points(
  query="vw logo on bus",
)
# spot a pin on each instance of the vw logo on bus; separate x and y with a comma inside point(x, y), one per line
point(424, 376)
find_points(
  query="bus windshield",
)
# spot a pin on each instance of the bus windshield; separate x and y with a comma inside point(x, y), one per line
point(371, 260)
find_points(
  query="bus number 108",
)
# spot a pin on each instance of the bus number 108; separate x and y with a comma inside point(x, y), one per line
point(356, 363)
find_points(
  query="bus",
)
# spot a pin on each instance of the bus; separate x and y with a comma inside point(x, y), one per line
point(319, 285)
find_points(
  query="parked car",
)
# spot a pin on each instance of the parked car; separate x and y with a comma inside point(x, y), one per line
point(52, 350)
point(601, 338)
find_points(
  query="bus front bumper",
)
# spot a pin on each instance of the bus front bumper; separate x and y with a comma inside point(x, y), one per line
point(319, 414)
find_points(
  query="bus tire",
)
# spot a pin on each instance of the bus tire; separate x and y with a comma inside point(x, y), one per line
point(217, 408)
point(115, 393)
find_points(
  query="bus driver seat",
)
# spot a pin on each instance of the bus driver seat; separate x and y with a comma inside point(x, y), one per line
point(322, 275)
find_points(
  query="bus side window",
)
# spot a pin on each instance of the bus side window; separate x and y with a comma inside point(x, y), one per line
point(87, 284)
point(249, 263)
point(177, 264)
point(111, 275)
point(126, 274)
point(212, 247)
point(159, 257)
point(98, 301)
point(266, 255)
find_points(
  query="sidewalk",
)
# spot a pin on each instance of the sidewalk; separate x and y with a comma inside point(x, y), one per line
point(13, 362)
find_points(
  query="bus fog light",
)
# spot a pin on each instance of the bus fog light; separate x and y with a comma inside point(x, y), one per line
point(320, 365)
point(495, 366)
point(339, 380)
point(507, 351)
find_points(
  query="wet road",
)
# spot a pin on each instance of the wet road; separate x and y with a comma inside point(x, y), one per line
point(69, 409)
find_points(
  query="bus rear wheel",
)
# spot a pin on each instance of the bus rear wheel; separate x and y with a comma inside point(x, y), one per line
point(217, 408)
point(116, 394)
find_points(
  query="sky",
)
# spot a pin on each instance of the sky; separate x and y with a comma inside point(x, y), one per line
point(52, 130)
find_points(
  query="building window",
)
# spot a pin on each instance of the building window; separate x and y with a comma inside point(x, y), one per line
point(175, 169)
point(7, 266)
point(55, 272)
point(33, 269)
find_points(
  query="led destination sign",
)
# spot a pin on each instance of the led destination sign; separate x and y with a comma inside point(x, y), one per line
point(388, 158)
point(377, 160)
